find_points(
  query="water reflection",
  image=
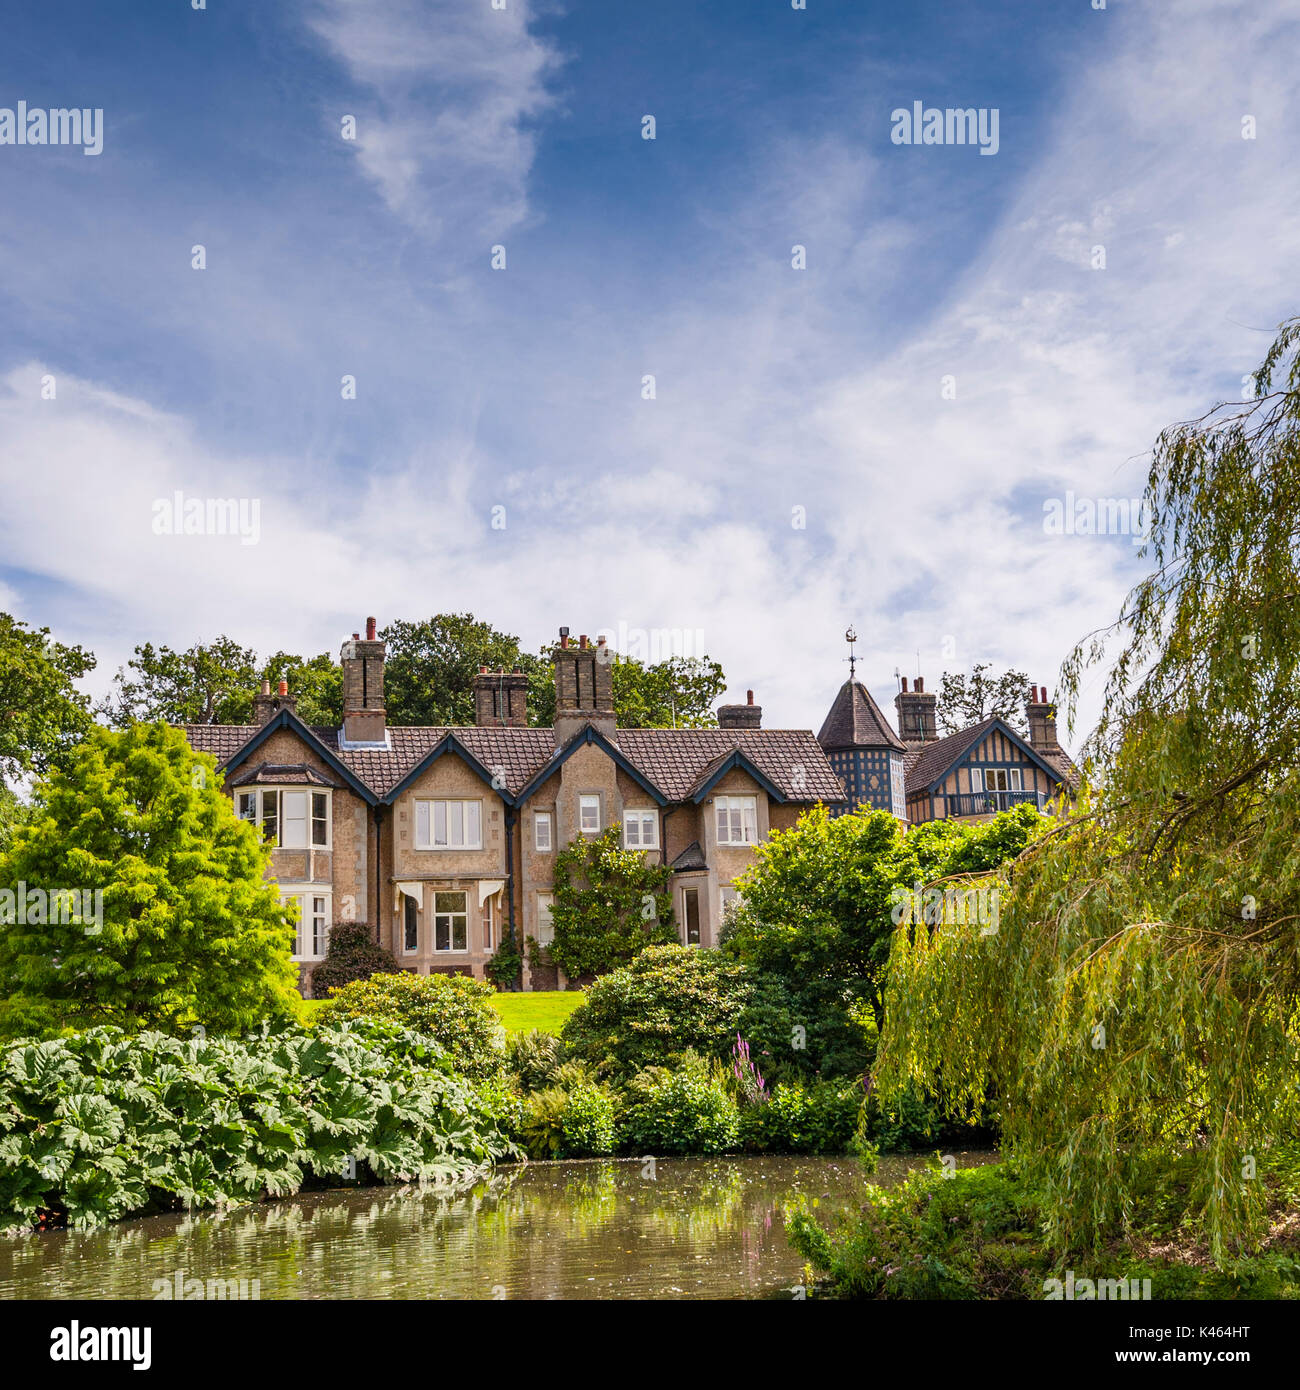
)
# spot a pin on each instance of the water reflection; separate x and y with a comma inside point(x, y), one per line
point(699, 1228)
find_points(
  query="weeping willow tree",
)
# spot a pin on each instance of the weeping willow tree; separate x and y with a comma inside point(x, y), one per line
point(1134, 1018)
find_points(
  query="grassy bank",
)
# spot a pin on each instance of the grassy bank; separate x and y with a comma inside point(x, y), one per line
point(544, 1009)
point(977, 1234)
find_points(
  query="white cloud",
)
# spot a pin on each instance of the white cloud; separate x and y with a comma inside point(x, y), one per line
point(448, 92)
point(775, 391)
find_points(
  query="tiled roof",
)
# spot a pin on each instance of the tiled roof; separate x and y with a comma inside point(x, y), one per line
point(1059, 759)
point(936, 758)
point(672, 759)
point(855, 721)
point(923, 766)
point(692, 857)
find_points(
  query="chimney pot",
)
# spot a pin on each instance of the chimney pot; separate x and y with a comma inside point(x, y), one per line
point(582, 642)
point(904, 685)
point(266, 687)
point(356, 637)
point(370, 629)
point(284, 689)
point(920, 684)
point(749, 697)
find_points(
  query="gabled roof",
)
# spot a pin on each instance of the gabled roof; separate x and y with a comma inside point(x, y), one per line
point(691, 858)
point(676, 759)
point(584, 736)
point(855, 721)
point(718, 768)
point(217, 739)
point(670, 764)
point(936, 760)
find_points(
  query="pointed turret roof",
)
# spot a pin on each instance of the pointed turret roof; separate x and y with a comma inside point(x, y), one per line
point(855, 721)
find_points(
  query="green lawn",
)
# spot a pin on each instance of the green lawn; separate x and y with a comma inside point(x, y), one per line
point(544, 1009)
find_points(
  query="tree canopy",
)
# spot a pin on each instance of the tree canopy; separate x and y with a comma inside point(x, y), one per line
point(187, 933)
point(215, 683)
point(965, 700)
point(1136, 1013)
point(42, 714)
point(819, 901)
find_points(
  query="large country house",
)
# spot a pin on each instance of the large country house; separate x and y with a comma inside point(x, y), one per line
point(445, 838)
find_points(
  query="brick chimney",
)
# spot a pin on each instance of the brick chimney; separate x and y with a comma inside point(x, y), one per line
point(266, 706)
point(584, 687)
point(1041, 714)
point(364, 719)
point(501, 699)
point(746, 716)
point(916, 714)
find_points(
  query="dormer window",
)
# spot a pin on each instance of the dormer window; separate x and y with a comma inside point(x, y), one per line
point(292, 818)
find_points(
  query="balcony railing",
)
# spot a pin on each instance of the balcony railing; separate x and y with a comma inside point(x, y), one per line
point(989, 803)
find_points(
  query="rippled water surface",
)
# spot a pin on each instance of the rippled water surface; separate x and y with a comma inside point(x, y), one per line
point(697, 1228)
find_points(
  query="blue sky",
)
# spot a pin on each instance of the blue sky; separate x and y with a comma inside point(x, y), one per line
point(776, 388)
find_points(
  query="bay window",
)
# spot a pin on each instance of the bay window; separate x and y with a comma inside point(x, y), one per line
point(293, 819)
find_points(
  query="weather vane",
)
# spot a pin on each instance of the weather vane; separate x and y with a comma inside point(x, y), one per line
point(850, 637)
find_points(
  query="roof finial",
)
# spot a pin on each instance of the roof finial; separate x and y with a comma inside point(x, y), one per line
point(850, 637)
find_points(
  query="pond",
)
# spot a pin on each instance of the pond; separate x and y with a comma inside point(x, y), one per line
point(596, 1229)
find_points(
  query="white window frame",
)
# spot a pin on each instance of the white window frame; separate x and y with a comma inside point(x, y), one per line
point(426, 823)
point(585, 803)
point(401, 925)
point(313, 925)
point(488, 914)
point(451, 949)
point(256, 797)
point(543, 820)
point(746, 808)
point(636, 821)
point(545, 904)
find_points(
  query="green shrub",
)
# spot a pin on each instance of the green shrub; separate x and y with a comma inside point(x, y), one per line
point(668, 1000)
point(533, 1058)
point(105, 1125)
point(454, 1010)
point(821, 1118)
point(353, 954)
point(678, 1113)
point(572, 1118)
point(589, 1122)
point(926, 1238)
point(978, 1234)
